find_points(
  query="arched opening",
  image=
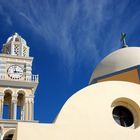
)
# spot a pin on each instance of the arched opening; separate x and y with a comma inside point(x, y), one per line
point(24, 50)
point(16, 49)
point(17, 39)
point(9, 135)
point(20, 106)
point(7, 106)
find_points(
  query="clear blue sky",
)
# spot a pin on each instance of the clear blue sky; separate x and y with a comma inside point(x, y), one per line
point(67, 39)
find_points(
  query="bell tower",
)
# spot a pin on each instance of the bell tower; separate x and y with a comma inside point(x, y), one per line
point(17, 86)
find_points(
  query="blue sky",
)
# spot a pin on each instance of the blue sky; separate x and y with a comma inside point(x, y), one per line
point(67, 39)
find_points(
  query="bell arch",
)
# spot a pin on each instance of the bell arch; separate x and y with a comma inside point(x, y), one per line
point(20, 104)
point(7, 104)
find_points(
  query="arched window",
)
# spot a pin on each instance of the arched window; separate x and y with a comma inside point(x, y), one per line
point(16, 49)
point(24, 51)
point(7, 105)
point(20, 106)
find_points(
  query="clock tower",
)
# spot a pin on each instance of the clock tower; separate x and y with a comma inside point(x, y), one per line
point(17, 86)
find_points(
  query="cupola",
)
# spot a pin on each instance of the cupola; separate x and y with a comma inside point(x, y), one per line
point(16, 45)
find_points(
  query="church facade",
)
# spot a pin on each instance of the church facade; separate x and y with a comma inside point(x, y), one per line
point(108, 108)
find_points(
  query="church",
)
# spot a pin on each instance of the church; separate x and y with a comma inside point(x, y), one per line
point(108, 108)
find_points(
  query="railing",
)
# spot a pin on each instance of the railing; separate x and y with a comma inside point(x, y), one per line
point(32, 78)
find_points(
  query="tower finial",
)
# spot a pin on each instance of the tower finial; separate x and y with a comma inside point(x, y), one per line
point(123, 36)
point(16, 33)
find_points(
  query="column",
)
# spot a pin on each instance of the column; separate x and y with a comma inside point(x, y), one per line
point(26, 109)
point(21, 49)
point(12, 48)
point(1, 104)
point(14, 106)
point(32, 118)
point(23, 112)
point(29, 108)
point(30, 111)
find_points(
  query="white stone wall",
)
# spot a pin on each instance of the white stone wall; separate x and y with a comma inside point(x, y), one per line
point(87, 115)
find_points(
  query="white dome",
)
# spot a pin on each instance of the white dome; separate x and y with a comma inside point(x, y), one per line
point(14, 37)
point(121, 59)
point(16, 45)
point(9, 39)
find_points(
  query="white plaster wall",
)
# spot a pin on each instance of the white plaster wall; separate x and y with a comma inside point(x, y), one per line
point(87, 115)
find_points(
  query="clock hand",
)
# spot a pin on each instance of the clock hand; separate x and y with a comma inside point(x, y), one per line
point(14, 69)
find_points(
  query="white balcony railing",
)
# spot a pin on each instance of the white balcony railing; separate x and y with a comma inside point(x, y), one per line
point(32, 78)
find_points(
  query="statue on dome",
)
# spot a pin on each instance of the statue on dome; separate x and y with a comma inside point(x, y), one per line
point(123, 40)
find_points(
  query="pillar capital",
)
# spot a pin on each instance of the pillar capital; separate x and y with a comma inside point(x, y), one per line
point(29, 99)
point(2, 97)
point(14, 95)
point(1, 94)
point(32, 101)
point(26, 99)
point(14, 98)
point(29, 96)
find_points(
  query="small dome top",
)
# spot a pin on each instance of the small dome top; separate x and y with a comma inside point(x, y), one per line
point(118, 60)
point(16, 37)
point(16, 45)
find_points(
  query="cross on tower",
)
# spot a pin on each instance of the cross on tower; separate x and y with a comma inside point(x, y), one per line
point(123, 36)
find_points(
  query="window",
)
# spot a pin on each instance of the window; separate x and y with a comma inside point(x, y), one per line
point(123, 116)
point(7, 105)
point(8, 49)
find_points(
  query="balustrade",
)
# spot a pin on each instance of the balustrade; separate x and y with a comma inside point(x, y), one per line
point(32, 78)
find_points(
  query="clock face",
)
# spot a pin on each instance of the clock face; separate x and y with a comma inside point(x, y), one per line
point(15, 72)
